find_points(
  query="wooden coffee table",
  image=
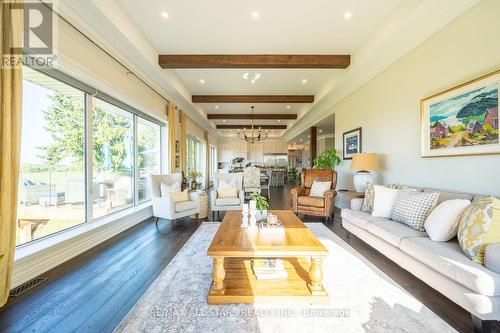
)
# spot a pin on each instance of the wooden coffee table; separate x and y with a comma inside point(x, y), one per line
point(232, 249)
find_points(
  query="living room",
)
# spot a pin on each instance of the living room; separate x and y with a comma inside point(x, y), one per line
point(266, 166)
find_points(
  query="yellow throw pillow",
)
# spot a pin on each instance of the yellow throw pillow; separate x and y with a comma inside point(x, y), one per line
point(229, 192)
point(478, 227)
point(179, 196)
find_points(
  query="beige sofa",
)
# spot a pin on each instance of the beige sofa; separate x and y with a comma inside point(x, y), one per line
point(442, 265)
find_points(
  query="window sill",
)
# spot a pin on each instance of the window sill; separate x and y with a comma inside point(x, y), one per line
point(39, 256)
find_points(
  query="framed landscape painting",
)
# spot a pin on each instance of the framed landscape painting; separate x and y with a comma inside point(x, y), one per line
point(462, 120)
point(352, 143)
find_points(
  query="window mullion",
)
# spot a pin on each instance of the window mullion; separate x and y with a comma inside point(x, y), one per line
point(89, 193)
point(136, 160)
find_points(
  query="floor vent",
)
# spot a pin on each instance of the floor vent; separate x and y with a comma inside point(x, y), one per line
point(25, 287)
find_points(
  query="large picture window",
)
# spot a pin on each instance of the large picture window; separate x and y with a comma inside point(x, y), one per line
point(60, 146)
point(52, 178)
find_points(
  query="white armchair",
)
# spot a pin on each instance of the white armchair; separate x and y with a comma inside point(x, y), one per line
point(225, 204)
point(165, 207)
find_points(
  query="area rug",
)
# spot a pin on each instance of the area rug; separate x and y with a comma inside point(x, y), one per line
point(362, 298)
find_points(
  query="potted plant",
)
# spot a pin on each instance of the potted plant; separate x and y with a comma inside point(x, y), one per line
point(194, 175)
point(328, 160)
point(292, 175)
point(261, 205)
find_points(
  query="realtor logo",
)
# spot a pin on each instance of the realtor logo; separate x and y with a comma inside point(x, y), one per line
point(37, 45)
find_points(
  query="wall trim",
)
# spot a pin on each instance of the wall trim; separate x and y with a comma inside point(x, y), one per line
point(39, 262)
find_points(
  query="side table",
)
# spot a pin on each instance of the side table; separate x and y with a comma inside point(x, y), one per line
point(203, 206)
point(346, 196)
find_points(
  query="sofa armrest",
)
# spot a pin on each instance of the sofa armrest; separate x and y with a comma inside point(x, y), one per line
point(492, 257)
point(194, 196)
point(296, 192)
point(163, 207)
point(356, 204)
point(330, 201)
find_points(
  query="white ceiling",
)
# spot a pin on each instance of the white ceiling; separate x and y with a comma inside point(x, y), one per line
point(283, 26)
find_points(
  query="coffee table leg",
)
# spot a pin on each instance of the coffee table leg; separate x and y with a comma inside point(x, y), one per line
point(316, 276)
point(218, 275)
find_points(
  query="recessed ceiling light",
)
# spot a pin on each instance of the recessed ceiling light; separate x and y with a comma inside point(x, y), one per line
point(308, 136)
point(223, 120)
point(216, 106)
point(164, 15)
point(321, 131)
point(202, 81)
point(288, 106)
point(253, 81)
point(256, 76)
point(245, 76)
point(255, 15)
point(304, 81)
point(279, 120)
point(347, 15)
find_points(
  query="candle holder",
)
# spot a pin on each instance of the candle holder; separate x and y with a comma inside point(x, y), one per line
point(253, 218)
point(244, 220)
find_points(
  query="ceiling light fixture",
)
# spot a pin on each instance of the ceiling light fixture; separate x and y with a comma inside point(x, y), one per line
point(252, 82)
point(256, 76)
point(250, 136)
point(279, 120)
point(304, 81)
point(321, 131)
point(288, 106)
point(202, 81)
point(245, 76)
point(216, 106)
point(255, 15)
point(223, 120)
point(164, 15)
point(347, 15)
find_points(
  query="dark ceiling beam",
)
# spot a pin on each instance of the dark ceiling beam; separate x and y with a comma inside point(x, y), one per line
point(254, 61)
point(248, 126)
point(252, 98)
point(255, 116)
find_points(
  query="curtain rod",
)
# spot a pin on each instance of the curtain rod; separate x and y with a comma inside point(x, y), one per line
point(105, 51)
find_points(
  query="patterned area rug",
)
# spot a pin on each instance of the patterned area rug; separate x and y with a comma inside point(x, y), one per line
point(362, 298)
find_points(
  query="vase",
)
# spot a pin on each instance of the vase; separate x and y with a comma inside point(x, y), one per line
point(261, 216)
point(193, 185)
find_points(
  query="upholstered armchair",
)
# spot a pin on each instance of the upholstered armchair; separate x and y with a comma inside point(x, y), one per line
point(315, 206)
point(165, 207)
point(225, 204)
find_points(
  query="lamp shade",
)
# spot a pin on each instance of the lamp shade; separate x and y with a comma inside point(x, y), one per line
point(364, 162)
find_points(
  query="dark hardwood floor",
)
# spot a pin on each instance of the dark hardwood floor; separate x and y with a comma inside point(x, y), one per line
point(94, 291)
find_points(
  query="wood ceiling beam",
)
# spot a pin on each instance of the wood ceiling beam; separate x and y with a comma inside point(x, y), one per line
point(252, 98)
point(248, 126)
point(255, 116)
point(254, 61)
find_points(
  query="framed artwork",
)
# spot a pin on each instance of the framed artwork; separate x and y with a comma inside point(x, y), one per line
point(177, 146)
point(352, 143)
point(462, 120)
point(177, 162)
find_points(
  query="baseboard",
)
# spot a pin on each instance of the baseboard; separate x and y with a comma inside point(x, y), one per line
point(33, 265)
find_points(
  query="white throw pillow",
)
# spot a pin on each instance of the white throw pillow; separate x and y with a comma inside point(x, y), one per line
point(384, 202)
point(442, 223)
point(229, 184)
point(318, 189)
point(166, 189)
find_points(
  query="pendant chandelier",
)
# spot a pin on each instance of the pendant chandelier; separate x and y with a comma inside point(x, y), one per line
point(252, 136)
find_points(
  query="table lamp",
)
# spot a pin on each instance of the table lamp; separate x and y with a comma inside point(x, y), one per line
point(363, 164)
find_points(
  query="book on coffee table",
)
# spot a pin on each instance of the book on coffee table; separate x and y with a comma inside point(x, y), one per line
point(269, 268)
point(266, 228)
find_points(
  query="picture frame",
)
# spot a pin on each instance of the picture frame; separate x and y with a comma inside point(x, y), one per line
point(177, 162)
point(352, 143)
point(177, 146)
point(462, 120)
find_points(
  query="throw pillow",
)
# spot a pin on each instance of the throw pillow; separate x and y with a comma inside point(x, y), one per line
point(370, 196)
point(166, 189)
point(442, 223)
point(179, 196)
point(230, 192)
point(478, 228)
point(318, 188)
point(384, 201)
point(229, 184)
point(413, 207)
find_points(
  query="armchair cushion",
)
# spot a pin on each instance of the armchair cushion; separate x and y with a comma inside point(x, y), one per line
point(229, 192)
point(179, 196)
point(165, 188)
point(492, 257)
point(185, 205)
point(228, 201)
point(311, 201)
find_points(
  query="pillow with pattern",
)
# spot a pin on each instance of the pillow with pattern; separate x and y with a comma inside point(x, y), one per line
point(370, 196)
point(412, 207)
point(478, 228)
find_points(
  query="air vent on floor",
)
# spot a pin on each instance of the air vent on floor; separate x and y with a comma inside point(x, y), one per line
point(25, 287)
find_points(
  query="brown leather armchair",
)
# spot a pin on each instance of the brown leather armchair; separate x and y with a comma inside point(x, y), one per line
point(315, 206)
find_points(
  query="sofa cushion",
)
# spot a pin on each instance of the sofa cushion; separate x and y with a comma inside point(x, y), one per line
point(392, 232)
point(448, 259)
point(492, 257)
point(446, 195)
point(311, 201)
point(185, 205)
point(227, 202)
point(359, 218)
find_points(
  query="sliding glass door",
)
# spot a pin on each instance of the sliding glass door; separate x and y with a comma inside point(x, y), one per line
point(149, 155)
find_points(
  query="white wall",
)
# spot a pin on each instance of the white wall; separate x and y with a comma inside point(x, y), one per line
point(388, 110)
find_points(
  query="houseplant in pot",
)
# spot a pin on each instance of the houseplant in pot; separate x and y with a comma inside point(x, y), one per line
point(261, 204)
point(328, 160)
point(194, 175)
